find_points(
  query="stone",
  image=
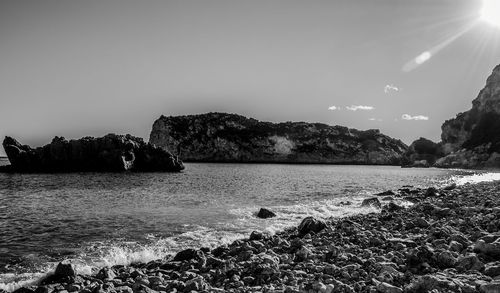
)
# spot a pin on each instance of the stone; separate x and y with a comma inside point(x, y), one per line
point(492, 269)
point(371, 202)
point(106, 274)
point(392, 207)
point(256, 235)
point(384, 287)
point(309, 225)
point(469, 262)
point(493, 287)
point(492, 249)
point(385, 193)
point(445, 259)
point(188, 254)
point(265, 214)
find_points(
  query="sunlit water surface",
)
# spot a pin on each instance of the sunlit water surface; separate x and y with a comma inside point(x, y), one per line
point(96, 220)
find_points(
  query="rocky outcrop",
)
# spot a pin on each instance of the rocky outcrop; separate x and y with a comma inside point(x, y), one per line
point(220, 137)
point(111, 153)
point(470, 140)
point(422, 153)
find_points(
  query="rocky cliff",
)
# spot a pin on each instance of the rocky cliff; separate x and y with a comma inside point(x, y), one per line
point(472, 138)
point(220, 137)
point(110, 153)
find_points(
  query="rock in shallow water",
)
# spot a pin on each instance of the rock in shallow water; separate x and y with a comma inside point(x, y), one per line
point(371, 202)
point(111, 153)
point(265, 214)
point(311, 224)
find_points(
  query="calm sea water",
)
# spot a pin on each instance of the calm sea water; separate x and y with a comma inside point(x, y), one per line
point(118, 218)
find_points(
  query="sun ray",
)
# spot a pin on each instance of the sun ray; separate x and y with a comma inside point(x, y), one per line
point(429, 53)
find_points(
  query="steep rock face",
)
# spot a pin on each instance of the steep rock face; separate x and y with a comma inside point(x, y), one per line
point(109, 153)
point(472, 139)
point(220, 137)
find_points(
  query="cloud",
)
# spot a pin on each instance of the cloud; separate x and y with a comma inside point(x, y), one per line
point(375, 119)
point(333, 108)
point(355, 108)
point(417, 117)
point(390, 88)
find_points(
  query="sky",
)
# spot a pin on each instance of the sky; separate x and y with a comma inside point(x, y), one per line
point(79, 68)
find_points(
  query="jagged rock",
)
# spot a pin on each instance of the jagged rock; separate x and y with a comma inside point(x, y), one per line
point(188, 254)
point(111, 153)
point(493, 287)
point(384, 287)
point(371, 202)
point(492, 269)
point(106, 274)
point(492, 249)
point(64, 272)
point(311, 224)
point(392, 207)
point(385, 193)
point(469, 262)
point(265, 214)
point(221, 137)
point(470, 140)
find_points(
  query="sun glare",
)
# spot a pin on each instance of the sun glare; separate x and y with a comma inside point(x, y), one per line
point(491, 12)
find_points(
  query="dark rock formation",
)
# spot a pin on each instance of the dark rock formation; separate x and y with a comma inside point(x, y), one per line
point(265, 214)
point(220, 137)
point(422, 153)
point(371, 202)
point(472, 138)
point(111, 153)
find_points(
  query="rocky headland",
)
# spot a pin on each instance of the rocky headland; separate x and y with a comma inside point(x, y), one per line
point(111, 153)
point(472, 138)
point(448, 241)
point(221, 137)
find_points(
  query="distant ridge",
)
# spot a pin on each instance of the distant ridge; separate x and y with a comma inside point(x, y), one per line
point(223, 137)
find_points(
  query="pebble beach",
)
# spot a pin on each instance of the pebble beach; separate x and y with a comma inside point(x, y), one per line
point(448, 240)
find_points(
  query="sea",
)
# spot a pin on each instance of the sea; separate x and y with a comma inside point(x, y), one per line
point(104, 219)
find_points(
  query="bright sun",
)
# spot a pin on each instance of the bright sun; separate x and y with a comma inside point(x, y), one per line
point(491, 12)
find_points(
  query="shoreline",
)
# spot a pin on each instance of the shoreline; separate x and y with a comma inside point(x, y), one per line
point(448, 240)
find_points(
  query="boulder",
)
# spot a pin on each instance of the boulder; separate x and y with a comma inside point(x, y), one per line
point(492, 287)
point(309, 225)
point(64, 272)
point(265, 214)
point(491, 249)
point(386, 193)
point(188, 254)
point(371, 202)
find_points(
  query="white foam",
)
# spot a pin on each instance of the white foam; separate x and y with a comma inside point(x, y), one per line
point(476, 178)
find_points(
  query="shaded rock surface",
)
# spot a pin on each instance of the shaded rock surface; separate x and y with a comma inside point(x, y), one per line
point(265, 214)
point(471, 139)
point(220, 137)
point(111, 153)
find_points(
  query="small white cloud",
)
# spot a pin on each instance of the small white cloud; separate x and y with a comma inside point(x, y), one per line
point(333, 108)
point(417, 117)
point(390, 88)
point(360, 107)
point(375, 119)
